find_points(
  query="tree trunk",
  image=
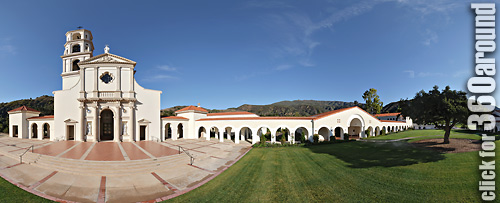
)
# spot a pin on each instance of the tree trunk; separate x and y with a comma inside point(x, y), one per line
point(447, 135)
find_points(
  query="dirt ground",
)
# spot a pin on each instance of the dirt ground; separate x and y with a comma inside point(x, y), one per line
point(455, 145)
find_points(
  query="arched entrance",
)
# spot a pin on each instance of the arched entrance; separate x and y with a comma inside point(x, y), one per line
point(338, 133)
point(201, 132)
point(246, 134)
point(168, 131)
point(180, 131)
point(264, 134)
point(46, 131)
point(106, 125)
point(214, 132)
point(354, 129)
point(34, 131)
point(370, 131)
point(377, 131)
point(282, 135)
point(324, 134)
point(301, 134)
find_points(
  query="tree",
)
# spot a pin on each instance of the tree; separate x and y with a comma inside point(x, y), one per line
point(373, 104)
point(447, 107)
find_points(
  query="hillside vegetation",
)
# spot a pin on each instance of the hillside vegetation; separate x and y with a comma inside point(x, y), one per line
point(45, 104)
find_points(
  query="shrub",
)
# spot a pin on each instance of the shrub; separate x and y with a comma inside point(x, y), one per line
point(346, 136)
point(383, 131)
point(367, 133)
point(262, 138)
point(332, 138)
point(302, 138)
point(316, 138)
point(283, 139)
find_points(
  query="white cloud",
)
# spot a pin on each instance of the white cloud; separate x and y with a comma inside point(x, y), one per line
point(430, 37)
point(167, 68)
point(411, 73)
point(430, 74)
point(283, 67)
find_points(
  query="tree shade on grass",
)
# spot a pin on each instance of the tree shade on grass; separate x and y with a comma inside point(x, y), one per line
point(428, 134)
point(346, 172)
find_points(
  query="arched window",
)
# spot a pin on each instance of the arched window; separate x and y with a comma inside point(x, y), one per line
point(76, 48)
point(75, 65)
point(77, 36)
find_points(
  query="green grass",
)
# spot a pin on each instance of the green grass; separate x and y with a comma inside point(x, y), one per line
point(427, 134)
point(345, 172)
point(11, 193)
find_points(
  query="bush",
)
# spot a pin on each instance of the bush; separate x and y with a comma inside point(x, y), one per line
point(283, 139)
point(346, 136)
point(383, 131)
point(302, 138)
point(316, 138)
point(332, 138)
point(367, 133)
point(262, 138)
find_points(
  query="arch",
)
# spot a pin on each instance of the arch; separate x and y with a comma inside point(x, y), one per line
point(338, 132)
point(180, 131)
point(370, 131)
point(301, 134)
point(76, 48)
point(377, 131)
point(246, 134)
point(266, 134)
point(355, 127)
point(168, 131)
point(202, 132)
point(282, 134)
point(214, 132)
point(76, 36)
point(46, 131)
point(75, 65)
point(34, 130)
point(106, 125)
point(324, 134)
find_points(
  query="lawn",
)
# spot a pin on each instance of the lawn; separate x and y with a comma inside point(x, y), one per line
point(342, 172)
point(427, 134)
point(347, 172)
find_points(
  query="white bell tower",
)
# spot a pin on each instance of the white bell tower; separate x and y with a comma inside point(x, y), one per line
point(78, 47)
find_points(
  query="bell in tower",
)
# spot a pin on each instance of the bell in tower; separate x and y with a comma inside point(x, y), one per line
point(78, 47)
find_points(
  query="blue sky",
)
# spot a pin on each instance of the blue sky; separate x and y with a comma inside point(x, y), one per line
point(227, 53)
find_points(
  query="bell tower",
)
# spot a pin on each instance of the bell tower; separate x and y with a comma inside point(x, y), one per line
point(78, 47)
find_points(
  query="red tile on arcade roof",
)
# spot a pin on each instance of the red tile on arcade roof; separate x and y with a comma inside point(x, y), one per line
point(321, 115)
point(255, 118)
point(42, 117)
point(23, 108)
point(392, 121)
point(387, 114)
point(194, 108)
point(230, 113)
point(174, 117)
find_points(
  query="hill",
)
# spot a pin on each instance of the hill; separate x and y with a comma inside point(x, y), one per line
point(45, 104)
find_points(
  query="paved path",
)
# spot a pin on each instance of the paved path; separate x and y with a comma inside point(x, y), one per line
point(114, 172)
point(395, 140)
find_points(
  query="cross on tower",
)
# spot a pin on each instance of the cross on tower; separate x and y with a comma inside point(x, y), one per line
point(79, 27)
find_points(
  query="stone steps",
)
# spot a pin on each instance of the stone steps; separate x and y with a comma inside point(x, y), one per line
point(109, 168)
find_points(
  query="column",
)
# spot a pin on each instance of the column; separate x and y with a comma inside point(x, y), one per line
point(95, 122)
point(273, 136)
point(116, 126)
point(237, 136)
point(228, 134)
point(83, 123)
point(207, 133)
point(221, 135)
point(118, 78)
point(174, 132)
point(292, 138)
point(96, 78)
point(131, 122)
point(40, 132)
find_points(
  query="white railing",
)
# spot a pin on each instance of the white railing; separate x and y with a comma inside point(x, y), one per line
point(107, 94)
point(21, 156)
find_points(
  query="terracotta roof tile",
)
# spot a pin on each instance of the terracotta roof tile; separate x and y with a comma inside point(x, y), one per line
point(386, 114)
point(255, 118)
point(392, 121)
point(321, 115)
point(174, 117)
point(230, 113)
point(195, 108)
point(23, 108)
point(42, 117)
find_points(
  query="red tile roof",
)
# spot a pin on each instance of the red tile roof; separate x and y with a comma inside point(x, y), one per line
point(386, 114)
point(195, 108)
point(23, 108)
point(392, 121)
point(174, 117)
point(256, 118)
point(230, 113)
point(321, 115)
point(42, 117)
